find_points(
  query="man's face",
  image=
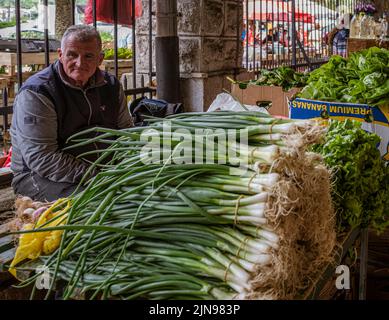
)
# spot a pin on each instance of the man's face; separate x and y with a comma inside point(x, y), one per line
point(80, 59)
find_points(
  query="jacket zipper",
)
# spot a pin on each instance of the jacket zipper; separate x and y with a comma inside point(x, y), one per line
point(90, 107)
point(90, 114)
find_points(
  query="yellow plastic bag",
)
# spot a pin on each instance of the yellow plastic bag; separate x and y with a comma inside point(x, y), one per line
point(32, 245)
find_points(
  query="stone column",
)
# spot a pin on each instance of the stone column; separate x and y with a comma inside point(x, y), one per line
point(63, 17)
point(210, 47)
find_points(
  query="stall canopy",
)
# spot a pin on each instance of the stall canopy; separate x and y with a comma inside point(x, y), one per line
point(104, 11)
point(277, 11)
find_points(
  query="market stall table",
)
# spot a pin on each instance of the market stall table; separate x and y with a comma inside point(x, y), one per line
point(9, 60)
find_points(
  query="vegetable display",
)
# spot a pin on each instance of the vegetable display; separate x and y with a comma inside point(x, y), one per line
point(284, 77)
point(172, 218)
point(123, 53)
point(361, 179)
point(362, 78)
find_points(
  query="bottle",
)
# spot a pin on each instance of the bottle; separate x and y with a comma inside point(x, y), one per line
point(364, 26)
point(384, 27)
point(372, 27)
point(355, 26)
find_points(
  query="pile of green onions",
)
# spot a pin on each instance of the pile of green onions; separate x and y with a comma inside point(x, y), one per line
point(167, 229)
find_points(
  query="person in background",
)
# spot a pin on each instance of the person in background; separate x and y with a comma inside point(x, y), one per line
point(284, 37)
point(315, 38)
point(271, 37)
point(340, 38)
point(243, 35)
point(67, 97)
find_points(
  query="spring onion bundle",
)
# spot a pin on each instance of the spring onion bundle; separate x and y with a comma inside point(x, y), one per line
point(224, 205)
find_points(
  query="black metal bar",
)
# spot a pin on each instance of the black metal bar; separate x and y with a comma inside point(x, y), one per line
point(294, 62)
point(133, 45)
point(5, 97)
point(304, 23)
point(254, 29)
point(247, 33)
point(151, 44)
point(272, 34)
point(115, 36)
point(46, 32)
point(299, 26)
point(283, 32)
point(142, 83)
point(125, 83)
point(321, 28)
point(238, 41)
point(304, 53)
point(289, 40)
point(260, 34)
point(4, 111)
point(327, 23)
point(73, 4)
point(94, 13)
point(277, 34)
point(363, 263)
point(18, 44)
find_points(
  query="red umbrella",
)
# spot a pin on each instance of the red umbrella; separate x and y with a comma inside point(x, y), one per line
point(277, 11)
point(104, 11)
point(304, 17)
point(269, 10)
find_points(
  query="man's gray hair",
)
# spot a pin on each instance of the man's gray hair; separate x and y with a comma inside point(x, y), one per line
point(81, 32)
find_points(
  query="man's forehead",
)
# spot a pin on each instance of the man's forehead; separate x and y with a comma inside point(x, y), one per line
point(73, 41)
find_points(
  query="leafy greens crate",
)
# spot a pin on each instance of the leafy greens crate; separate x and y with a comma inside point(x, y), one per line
point(374, 119)
point(256, 95)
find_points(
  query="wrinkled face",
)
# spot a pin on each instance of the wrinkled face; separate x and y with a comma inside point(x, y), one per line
point(80, 59)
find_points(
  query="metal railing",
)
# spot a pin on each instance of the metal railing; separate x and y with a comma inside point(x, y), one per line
point(290, 32)
point(132, 88)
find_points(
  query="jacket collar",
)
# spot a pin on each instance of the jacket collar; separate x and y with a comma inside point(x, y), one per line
point(97, 80)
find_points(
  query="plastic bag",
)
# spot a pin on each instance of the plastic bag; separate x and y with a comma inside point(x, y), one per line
point(225, 102)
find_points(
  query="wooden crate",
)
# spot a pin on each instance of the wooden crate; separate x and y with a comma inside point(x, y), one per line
point(124, 66)
point(9, 59)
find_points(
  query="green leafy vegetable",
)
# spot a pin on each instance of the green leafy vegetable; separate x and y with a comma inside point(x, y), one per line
point(284, 77)
point(361, 179)
point(123, 53)
point(363, 78)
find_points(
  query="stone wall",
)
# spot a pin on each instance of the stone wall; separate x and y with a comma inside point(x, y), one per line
point(210, 47)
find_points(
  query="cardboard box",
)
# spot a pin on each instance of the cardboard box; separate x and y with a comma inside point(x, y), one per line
point(255, 95)
point(374, 119)
point(354, 45)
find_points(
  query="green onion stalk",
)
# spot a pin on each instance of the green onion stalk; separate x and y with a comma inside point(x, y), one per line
point(165, 218)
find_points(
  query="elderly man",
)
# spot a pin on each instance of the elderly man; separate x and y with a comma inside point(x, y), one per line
point(67, 97)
